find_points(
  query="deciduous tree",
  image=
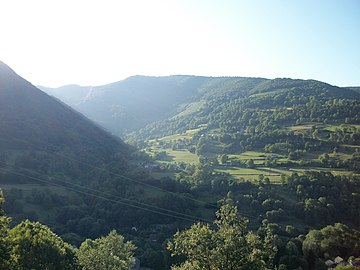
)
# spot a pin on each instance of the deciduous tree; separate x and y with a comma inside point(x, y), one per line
point(4, 237)
point(35, 246)
point(109, 253)
point(227, 246)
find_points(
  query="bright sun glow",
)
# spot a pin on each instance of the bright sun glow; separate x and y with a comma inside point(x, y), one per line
point(96, 42)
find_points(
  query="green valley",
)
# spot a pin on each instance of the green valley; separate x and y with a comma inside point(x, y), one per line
point(279, 158)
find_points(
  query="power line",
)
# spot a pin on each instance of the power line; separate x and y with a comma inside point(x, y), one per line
point(99, 196)
point(124, 177)
point(115, 174)
point(116, 196)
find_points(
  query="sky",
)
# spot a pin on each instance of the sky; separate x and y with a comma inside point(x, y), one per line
point(95, 42)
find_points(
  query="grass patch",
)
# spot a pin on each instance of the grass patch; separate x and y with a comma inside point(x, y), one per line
point(321, 169)
point(251, 174)
point(304, 127)
point(182, 156)
point(189, 134)
point(341, 126)
point(255, 155)
point(190, 108)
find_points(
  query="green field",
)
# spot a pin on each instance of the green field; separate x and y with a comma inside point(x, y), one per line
point(327, 127)
point(190, 108)
point(334, 127)
point(172, 156)
point(306, 126)
point(259, 157)
point(318, 169)
point(183, 156)
point(251, 155)
point(274, 174)
point(175, 137)
point(251, 174)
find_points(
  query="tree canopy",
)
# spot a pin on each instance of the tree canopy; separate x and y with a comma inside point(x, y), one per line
point(110, 252)
point(227, 246)
point(331, 241)
point(35, 246)
point(4, 236)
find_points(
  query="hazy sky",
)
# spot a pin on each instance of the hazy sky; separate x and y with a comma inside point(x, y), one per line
point(53, 43)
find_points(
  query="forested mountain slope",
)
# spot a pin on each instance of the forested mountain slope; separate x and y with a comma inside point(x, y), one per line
point(263, 105)
point(130, 104)
point(285, 151)
point(357, 89)
point(50, 155)
point(32, 124)
point(59, 168)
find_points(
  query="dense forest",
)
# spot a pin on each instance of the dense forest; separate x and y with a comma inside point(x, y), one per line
point(228, 173)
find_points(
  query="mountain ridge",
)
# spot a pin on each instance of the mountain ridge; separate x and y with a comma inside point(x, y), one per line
point(126, 106)
point(31, 120)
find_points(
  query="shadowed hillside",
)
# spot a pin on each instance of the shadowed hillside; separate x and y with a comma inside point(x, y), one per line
point(36, 129)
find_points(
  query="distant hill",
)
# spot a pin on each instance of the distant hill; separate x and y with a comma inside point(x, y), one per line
point(237, 104)
point(287, 150)
point(308, 87)
point(35, 129)
point(356, 89)
point(58, 167)
point(129, 105)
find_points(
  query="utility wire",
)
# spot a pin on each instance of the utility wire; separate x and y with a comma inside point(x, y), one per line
point(121, 176)
point(114, 174)
point(116, 196)
point(99, 196)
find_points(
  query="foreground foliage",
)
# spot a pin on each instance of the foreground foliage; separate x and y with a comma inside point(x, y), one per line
point(331, 241)
point(35, 246)
point(229, 246)
point(32, 245)
point(4, 239)
point(109, 252)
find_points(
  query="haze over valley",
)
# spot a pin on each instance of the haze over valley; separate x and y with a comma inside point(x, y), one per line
point(194, 141)
point(237, 146)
